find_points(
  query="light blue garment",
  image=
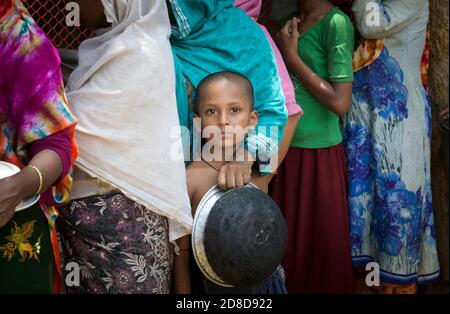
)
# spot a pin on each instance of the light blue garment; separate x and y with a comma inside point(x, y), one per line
point(213, 36)
point(387, 137)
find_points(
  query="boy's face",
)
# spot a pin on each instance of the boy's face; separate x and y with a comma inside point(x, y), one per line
point(225, 107)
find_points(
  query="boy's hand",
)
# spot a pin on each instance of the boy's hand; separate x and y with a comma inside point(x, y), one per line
point(235, 174)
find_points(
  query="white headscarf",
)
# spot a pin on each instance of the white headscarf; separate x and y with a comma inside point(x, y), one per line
point(123, 94)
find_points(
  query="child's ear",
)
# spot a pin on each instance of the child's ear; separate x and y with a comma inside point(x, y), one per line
point(254, 118)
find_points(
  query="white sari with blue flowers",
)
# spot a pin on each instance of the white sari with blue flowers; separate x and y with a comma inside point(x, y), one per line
point(387, 137)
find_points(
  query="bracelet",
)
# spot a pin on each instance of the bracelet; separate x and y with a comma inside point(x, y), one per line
point(39, 190)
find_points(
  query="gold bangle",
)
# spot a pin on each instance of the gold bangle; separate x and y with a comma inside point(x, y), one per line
point(39, 190)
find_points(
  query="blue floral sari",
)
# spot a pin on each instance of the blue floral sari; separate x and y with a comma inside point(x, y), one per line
point(387, 136)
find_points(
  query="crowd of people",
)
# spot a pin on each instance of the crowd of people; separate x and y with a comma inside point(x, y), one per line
point(342, 144)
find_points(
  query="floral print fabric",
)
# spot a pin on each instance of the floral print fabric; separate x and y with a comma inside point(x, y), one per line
point(387, 137)
point(119, 245)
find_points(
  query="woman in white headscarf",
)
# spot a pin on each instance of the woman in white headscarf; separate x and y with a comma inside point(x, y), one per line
point(129, 199)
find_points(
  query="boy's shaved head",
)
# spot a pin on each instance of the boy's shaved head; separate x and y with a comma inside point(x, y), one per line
point(234, 77)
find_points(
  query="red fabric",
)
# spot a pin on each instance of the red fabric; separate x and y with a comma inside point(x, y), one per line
point(425, 64)
point(57, 272)
point(311, 191)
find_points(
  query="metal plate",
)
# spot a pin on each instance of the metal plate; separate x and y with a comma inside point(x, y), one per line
point(7, 170)
point(198, 228)
point(27, 203)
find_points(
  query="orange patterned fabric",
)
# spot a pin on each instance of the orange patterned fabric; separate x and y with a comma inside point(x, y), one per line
point(366, 53)
point(424, 66)
point(398, 289)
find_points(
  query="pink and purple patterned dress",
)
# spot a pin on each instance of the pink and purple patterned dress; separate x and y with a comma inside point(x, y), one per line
point(34, 113)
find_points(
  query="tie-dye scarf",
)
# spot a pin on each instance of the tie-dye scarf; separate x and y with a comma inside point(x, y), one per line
point(32, 100)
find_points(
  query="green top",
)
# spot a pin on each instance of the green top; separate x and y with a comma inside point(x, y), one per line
point(327, 49)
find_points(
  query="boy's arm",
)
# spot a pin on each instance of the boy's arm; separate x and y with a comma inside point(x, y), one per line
point(181, 270)
point(262, 182)
point(182, 274)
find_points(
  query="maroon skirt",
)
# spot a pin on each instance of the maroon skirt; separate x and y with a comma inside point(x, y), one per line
point(311, 190)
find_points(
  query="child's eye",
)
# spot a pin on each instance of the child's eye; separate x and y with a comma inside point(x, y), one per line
point(235, 110)
point(211, 111)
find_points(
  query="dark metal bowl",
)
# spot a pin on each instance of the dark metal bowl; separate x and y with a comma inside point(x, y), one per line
point(239, 237)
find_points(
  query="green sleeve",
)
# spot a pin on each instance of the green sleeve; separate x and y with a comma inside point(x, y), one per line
point(339, 43)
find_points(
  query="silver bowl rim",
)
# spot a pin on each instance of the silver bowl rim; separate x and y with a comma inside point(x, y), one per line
point(198, 247)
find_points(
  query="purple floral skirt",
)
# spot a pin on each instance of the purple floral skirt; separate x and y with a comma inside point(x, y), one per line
point(117, 245)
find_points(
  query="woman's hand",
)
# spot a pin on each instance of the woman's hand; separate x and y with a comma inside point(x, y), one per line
point(288, 39)
point(11, 195)
point(27, 183)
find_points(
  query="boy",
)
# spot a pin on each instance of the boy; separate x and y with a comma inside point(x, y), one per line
point(224, 103)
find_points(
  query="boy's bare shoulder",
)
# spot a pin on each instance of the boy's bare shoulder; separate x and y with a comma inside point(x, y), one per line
point(200, 178)
point(195, 165)
point(197, 173)
point(195, 168)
